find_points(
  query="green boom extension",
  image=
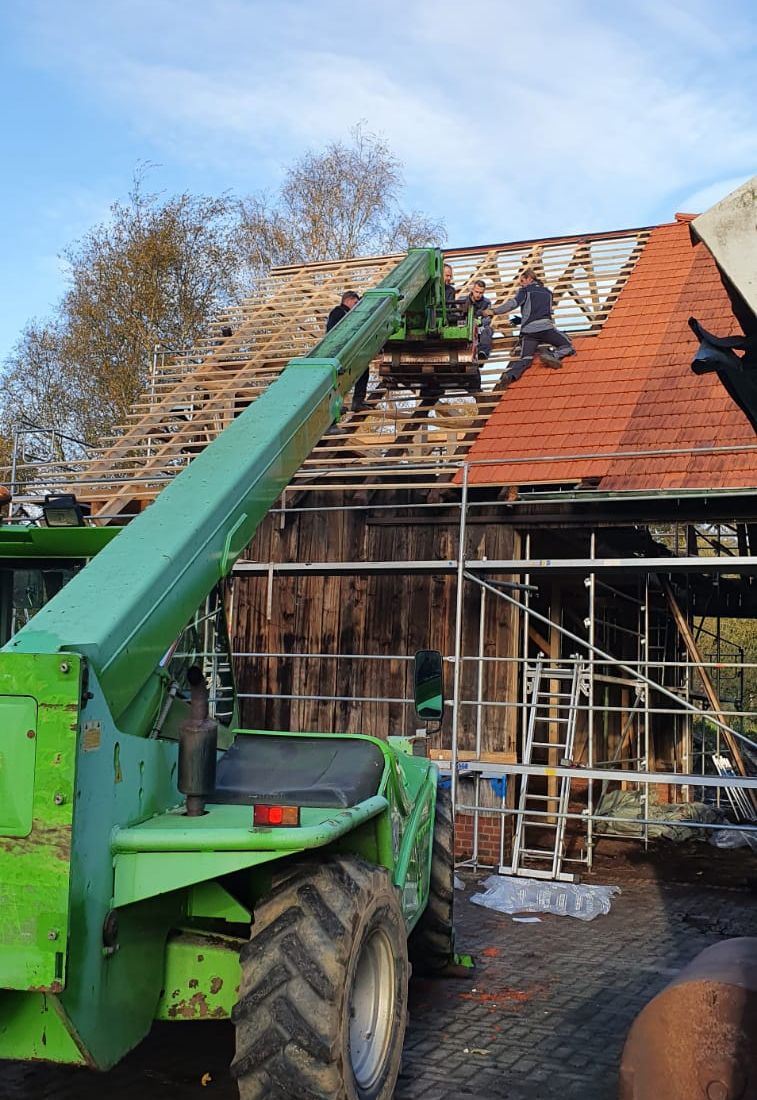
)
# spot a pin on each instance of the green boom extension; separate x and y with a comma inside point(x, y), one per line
point(116, 907)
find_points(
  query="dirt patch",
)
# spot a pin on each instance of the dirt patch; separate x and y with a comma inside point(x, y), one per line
point(500, 996)
point(693, 862)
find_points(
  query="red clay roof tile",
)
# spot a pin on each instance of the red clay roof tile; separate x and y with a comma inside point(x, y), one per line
point(631, 388)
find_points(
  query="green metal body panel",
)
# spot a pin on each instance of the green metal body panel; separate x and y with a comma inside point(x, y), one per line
point(202, 972)
point(57, 883)
point(209, 899)
point(229, 829)
point(35, 864)
point(32, 1028)
point(426, 319)
point(97, 867)
point(30, 543)
point(391, 828)
point(18, 720)
point(202, 977)
point(450, 334)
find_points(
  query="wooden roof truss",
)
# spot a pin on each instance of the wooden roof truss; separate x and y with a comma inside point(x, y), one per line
point(399, 439)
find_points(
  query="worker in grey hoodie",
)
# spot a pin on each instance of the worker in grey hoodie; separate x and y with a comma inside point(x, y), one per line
point(533, 301)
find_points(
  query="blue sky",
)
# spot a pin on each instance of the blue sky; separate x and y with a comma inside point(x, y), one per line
point(512, 120)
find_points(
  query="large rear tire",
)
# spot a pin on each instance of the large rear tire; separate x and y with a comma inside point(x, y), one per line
point(432, 943)
point(322, 1003)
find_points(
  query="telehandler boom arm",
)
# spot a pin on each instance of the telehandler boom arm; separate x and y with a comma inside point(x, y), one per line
point(124, 610)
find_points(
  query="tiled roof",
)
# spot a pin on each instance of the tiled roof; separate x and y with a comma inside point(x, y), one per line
point(630, 388)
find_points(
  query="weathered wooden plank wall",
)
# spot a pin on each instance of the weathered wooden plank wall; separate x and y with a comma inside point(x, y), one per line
point(387, 616)
point(374, 622)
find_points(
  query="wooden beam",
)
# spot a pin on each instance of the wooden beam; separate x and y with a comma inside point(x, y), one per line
point(538, 639)
point(445, 755)
point(709, 688)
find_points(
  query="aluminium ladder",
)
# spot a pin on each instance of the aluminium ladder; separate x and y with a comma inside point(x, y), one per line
point(554, 693)
point(740, 804)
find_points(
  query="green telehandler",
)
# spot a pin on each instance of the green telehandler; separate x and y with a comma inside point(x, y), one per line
point(156, 861)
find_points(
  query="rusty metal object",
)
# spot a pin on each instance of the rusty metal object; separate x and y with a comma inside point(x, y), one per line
point(697, 1040)
point(198, 747)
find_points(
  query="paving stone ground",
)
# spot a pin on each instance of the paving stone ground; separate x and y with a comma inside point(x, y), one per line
point(543, 1016)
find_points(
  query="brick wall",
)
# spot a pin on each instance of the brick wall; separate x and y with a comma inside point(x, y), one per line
point(488, 838)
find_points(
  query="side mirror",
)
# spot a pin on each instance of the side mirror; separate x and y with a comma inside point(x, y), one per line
point(429, 685)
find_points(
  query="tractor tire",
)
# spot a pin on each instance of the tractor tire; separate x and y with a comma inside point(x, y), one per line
point(432, 943)
point(322, 1004)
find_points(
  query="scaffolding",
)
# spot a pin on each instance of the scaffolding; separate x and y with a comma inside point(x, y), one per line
point(694, 679)
point(660, 681)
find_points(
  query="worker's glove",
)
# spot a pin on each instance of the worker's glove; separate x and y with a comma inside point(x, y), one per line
point(515, 319)
point(487, 312)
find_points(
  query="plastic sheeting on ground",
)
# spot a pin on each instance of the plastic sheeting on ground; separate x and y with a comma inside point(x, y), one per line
point(733, 838)
point(630, 806)
point(509, 894)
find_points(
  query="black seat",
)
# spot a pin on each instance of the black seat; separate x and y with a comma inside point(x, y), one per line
point(298, 771)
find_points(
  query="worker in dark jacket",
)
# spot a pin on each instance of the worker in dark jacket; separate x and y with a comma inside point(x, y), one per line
point(533, 301)
point(449, 286)
point(349, 300)
point(482, 312)
point(454, 311)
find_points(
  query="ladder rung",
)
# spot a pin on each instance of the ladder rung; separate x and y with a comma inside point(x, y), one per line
point(543, 797)
point(538, 853)
point(546, 718)
point(541, 823)
point(549, 745)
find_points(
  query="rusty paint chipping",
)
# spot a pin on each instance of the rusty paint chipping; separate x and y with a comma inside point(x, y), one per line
point(196, 1008)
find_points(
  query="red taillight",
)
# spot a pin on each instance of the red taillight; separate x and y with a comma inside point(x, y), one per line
point(276, 815)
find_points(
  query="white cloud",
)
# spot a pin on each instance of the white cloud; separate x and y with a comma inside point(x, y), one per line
point(510, 121)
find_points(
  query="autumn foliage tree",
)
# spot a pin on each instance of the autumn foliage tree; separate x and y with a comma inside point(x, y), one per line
point(159, 268)
point(151, 275)
point(339, 203)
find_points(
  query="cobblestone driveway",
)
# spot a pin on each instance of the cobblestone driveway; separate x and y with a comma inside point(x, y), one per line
point(543, 1016)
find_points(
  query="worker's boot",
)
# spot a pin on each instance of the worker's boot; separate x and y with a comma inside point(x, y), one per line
point(548, 357)
point(503, 382)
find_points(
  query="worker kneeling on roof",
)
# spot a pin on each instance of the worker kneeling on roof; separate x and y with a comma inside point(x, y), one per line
point(533, 301)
